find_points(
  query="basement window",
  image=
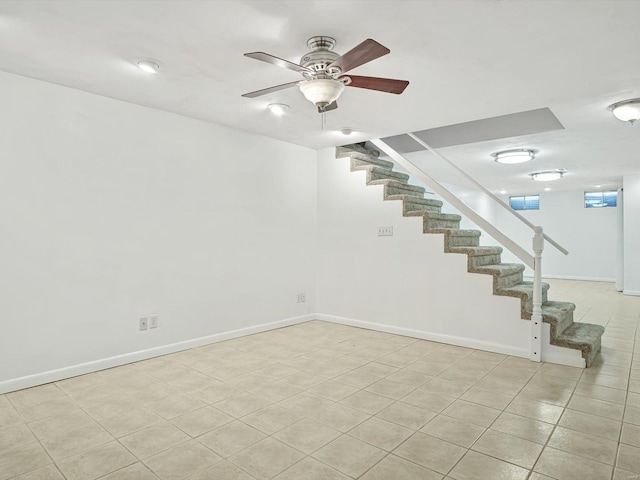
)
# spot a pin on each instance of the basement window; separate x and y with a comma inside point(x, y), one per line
point(525, 202)
point(601, 199)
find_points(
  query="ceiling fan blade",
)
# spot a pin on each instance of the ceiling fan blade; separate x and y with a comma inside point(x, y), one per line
point(332, 106)
point(359, 55)
point(278, 62)
point(388, 85)
point(275, 88)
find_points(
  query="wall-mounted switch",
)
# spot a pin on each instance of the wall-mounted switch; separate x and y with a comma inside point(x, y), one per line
point(301, 298)
point(385, 231)
point(153, 321)
point(144, 323)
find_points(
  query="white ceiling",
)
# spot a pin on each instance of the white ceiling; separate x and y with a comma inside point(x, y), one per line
point(466, 60)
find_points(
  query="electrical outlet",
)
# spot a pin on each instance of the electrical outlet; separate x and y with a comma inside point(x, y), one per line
point(385, 231)
point(144, 323)
point(153, 321)
point(302, 297)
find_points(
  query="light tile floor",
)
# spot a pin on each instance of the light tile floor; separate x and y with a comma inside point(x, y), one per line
point(320, 401)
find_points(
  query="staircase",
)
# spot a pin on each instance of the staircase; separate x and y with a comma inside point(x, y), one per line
point(507, 277)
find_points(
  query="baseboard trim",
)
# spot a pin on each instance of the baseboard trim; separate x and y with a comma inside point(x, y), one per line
point(434, 337)
point(116, 361)
point(635, 293)
point(572, 277)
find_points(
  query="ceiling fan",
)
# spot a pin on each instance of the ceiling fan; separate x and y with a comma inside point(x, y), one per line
point(323, 72)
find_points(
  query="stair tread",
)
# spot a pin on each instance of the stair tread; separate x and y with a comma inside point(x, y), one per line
point(477, 251)
point(346, 149)
point(389, 174)
point(581, 334)
point(502, 269)
point(524, 287)
point(442, 216)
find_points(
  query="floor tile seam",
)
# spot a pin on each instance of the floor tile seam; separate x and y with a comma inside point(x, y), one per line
point(51, 459)
point(415, 463)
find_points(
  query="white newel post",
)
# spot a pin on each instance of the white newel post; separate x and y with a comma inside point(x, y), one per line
point(536, 316)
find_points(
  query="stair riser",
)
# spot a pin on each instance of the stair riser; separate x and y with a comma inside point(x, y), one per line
point(529, 303)
point(398, 190)
point(349, 149)
point(593, 353)
point(364, 162)
point(421, 203)
point(460, 241)
point(407, 208)
point(398, 177)
point(506, 281)
point(432, 223)
point(482, 260)
point(565, 322)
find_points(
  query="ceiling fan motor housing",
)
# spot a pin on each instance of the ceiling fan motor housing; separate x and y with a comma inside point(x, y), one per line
point(321, 54)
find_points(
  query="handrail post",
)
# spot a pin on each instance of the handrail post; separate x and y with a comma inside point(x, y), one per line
point(536, 315)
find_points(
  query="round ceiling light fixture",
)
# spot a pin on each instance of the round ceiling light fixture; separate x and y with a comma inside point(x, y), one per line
point(278, 109)
point(346, 131)
point(627, 110)
point(548, 176)
point(148, 65)
point(518, 155)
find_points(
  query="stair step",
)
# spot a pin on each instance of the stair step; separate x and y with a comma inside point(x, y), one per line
point(433, 221)
point(462, 238)
point(376, 173)
point(478, 256)
point(524, 291)
point(361, 160)
point(559, 315)
point(504, 274)
point(345, 150)
point(416, 206)
point(392, 187)
point(586, 337)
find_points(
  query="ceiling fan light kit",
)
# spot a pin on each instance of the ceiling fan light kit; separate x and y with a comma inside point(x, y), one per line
point(323, 72)
point(519, 155)
point(548, 176)
point(627, 110)
point(322, 91)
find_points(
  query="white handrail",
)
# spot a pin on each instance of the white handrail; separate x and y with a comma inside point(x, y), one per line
point(516, 249)
point(481, 187)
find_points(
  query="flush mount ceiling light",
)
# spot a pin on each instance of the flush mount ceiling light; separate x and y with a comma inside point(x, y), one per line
point(346, 131)
point(548, 175)
point(627, 110)
point(149, 66)
point(278, 109)
point(519, 155)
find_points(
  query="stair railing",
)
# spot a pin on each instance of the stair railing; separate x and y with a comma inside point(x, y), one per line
point(533, 261)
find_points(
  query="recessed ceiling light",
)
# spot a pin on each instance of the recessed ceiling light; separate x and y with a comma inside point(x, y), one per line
point(519, 155)
point(547, 189)
point(627, 110)
point(548, 175)
point(597, 186)
point(278, 109)
point(149, 66)
point(346, 131)
point(502, 192)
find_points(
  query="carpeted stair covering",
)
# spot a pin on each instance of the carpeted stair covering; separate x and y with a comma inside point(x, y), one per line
point(507, 277)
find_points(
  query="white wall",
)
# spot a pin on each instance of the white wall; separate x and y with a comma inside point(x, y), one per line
point(588, 233)
point(631, 185)
point(404, 283)
point(111, 211)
